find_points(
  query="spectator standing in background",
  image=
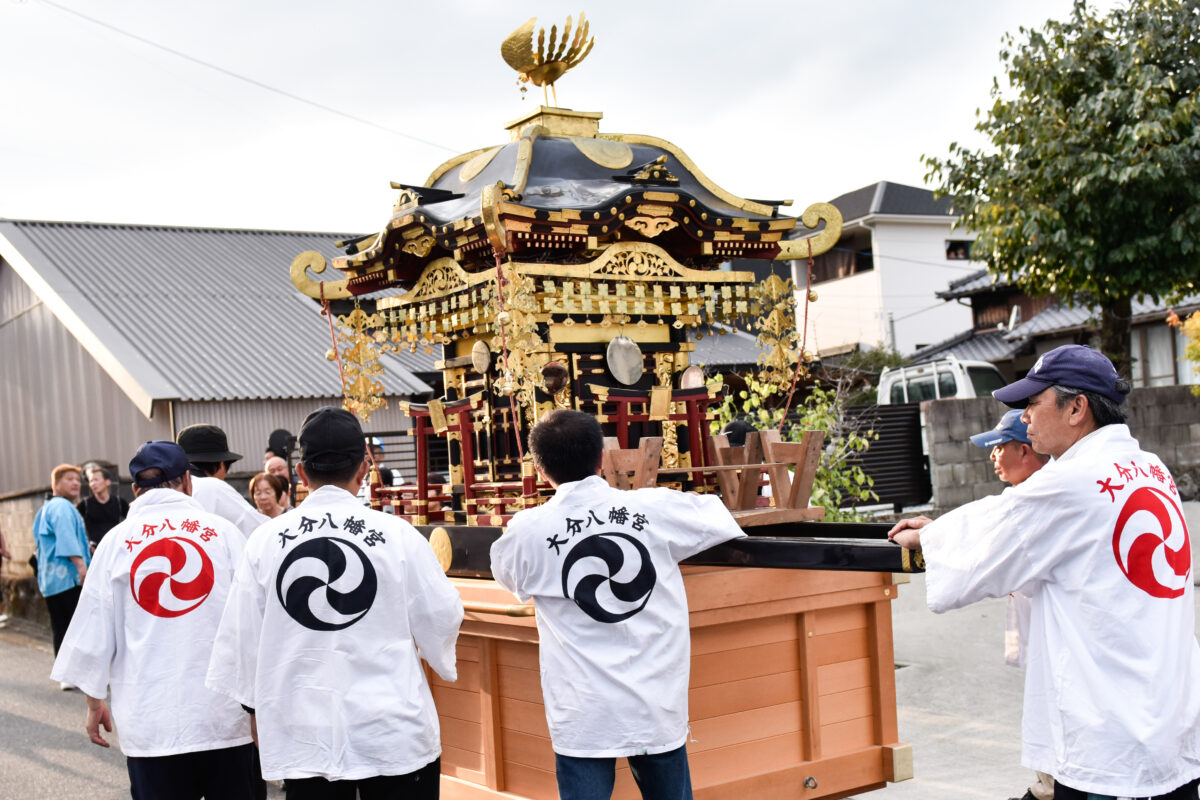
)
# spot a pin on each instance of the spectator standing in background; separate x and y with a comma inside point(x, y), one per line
point(104, 509)
point(62, 550)
point(210, 457)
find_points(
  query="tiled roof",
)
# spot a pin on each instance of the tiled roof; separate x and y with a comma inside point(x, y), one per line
point(970, 345)
point(978, 281)
point(885, 197)
point(1062, 318)
point(198, 313)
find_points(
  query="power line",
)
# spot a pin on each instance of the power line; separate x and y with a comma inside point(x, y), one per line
point(244, 78)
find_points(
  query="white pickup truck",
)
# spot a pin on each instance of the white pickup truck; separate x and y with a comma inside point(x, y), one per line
point(937, 380)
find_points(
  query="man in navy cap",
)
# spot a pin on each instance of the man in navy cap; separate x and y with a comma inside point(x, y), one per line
point(144, 629)
point(1097, 540)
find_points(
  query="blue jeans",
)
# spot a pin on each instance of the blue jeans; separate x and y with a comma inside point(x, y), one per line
point(663, 776)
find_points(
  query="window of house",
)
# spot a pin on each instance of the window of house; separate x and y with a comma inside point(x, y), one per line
point(958, 249)
point(1155, 356)
point(850, 256)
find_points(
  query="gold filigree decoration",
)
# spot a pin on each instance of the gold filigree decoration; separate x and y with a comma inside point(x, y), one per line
point(651, 226)
point(361, 350)
point(441, 277)
point(545, 65)
point(664, 374)
point(516, 333)
point(419, 246)
point(638, 264)
point(778, 337)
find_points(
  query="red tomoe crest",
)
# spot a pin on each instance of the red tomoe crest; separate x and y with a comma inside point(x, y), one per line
point(1151, 543)
point(171, 577)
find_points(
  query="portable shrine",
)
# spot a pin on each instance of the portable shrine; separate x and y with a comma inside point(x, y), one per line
point(564, 268)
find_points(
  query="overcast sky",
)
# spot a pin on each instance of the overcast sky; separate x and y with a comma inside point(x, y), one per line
point(794, 99)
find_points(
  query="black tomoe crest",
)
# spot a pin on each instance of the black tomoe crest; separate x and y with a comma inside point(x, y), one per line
point(622, 586)
point(326, 584)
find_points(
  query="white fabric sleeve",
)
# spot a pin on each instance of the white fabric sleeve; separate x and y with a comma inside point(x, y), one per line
point(696, 522)
point(435, 609)
point(1000, 544)
point(232, 669)
point(503, 560)
point(87, 652)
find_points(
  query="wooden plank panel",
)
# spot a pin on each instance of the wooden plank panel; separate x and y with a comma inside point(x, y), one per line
point(722, 764)
point(528, 750)
point(468, 677)
point(461, 734)
point(536, 784)
point(456, 761)
point(456, 703)
point(847, 705)
point(489, 716)
point(521, 684)
point(835, 620)
point(744, 726)
point(844, 675)
point(517, 654)
point(810, 721)
point(853, 734)
point(884, 684)
point(467, 648)
point(843, 646)
point(720, 638)
point(517, 715)
point(726, 698)
point(749, 662)
point(852, 773)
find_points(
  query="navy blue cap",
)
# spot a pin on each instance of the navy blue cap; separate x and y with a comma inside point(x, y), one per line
point(1073, 366)
point(166, 456)
point(1010, 429)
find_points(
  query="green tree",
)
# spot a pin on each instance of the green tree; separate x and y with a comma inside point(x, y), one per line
point(1090, 188)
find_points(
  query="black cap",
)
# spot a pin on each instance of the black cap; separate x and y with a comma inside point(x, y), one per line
point(331, 439)
point(166, 456)
point(205, 444)
point(280, 442)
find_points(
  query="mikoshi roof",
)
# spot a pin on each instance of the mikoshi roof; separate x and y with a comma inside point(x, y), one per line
point(176, 313)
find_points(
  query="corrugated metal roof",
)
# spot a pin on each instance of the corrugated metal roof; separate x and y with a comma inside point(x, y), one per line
point(970, 345)
point(732, 348)
point(201, 313)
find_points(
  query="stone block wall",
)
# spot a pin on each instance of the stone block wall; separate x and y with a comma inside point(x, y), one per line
point(17, 580)
point(1165, 420)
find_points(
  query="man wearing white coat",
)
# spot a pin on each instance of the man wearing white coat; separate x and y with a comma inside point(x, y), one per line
point(144, 628)
point(331, 611)
point(1097, 540)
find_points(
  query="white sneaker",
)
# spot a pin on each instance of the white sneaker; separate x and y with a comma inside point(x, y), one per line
point(3, 620)
point(66, 687)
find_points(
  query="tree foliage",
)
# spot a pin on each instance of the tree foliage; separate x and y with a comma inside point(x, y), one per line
point(1090, 188)
point(840, 484)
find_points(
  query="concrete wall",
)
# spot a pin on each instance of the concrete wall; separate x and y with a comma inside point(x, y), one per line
point(1165, 420)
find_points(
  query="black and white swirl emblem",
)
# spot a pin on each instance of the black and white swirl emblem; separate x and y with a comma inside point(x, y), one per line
point(326, 584)
point(608, 575)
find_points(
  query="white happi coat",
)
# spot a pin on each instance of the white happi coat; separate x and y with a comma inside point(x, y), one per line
point(331, 611)
point(1097, 540)
point(602, 566)
point(218, 497)
point(145, 624)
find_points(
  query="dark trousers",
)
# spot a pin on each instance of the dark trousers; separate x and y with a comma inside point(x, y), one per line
point(226, 774)
point(1185, 792)
point(424, 784)
point(62, 607)
point(662, 776)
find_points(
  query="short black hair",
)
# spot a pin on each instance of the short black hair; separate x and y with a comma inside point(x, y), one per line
point(320, 475)
point(567, 445)
point(142, 479)
point(209, 468)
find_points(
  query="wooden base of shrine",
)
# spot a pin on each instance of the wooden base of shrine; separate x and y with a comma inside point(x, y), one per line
point(792, 691)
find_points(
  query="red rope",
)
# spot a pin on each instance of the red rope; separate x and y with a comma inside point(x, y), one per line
point(803, 338)
point(512, 403)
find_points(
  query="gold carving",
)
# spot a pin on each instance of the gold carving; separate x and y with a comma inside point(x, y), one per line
point(419, 246)
point(612, 155)
point(443, 276)
point(443, 550)
point(362, 393)
point(637, 264)
point(330, 290)
point(790, 249)
point(651, 226)
point(545, 65)
point(477, 164)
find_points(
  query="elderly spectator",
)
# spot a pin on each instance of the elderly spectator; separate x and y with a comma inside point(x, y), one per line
point(269, 493)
